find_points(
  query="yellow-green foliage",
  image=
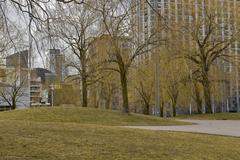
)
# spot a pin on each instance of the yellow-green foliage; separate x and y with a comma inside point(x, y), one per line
point(67, 94)
point(141, 86)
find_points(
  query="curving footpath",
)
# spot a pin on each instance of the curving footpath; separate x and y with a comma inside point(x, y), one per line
point(215, 127)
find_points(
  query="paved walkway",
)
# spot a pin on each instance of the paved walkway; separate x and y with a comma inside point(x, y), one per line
point(216, 127)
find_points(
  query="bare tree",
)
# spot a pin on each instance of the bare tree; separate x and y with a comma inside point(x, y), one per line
point(209, 49)
point(13, 92)
point(73, 26)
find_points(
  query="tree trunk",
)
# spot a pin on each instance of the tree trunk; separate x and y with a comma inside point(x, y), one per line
point(161, 109)
point(14, 105)
point(108, 101)
point(83, 73)
point(199, 107)
point(108, 104)
point(174, 104)
point(146, 109)
point(125, 107)
point(207, 96)
point(198, 99)
point(84, 92)
point(207, 91)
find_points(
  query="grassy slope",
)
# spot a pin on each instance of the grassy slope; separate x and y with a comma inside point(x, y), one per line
point(85, 116)
point(49, 134)
point(72, 141)
point(217, 116)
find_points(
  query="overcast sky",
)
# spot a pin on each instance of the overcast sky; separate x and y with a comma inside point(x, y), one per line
point(19, 22)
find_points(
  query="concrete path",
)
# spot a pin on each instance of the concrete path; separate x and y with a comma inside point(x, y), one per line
point(216, 127)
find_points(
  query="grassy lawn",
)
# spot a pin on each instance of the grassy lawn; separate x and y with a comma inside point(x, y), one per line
point(83, 134)
point(86, 116)
point(216, 116)
point(72, 141)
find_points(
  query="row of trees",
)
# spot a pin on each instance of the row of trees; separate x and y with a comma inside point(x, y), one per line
point(189, 60)
point(80, 27)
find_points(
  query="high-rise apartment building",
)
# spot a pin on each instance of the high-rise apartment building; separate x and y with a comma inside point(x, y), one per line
point(177, 12)
point(228, 12)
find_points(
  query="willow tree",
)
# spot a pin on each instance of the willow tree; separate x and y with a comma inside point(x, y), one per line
point(142, 86)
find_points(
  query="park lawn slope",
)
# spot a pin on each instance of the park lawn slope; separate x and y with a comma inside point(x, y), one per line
point(86, 116)
point(76, 133)
point(73, 141)
point(216, 116)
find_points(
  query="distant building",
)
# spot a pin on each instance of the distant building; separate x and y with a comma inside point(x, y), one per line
point(57, 64)
point(19, 59)
point(35, 91)
point(20, 62)
point(37, 81)
point(42, 73)
point(39, 86)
